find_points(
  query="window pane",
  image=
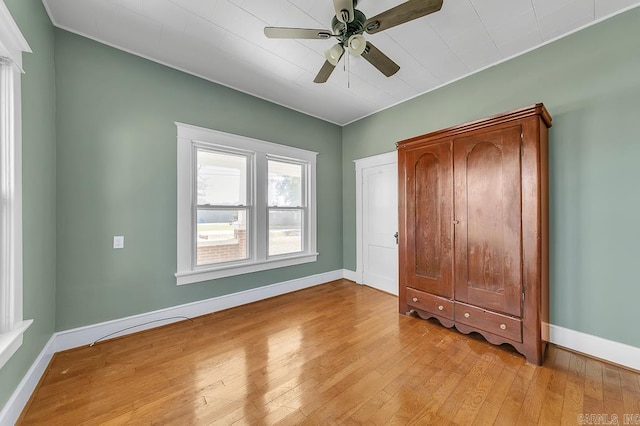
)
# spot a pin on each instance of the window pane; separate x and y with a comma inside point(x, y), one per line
point(285, 231)
point(222, 179)
point(221, 236)
point(285, 184)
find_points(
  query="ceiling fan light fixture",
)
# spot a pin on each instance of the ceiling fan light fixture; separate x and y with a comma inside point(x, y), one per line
point(334, 54)
point(356, 44)
point(348, 25)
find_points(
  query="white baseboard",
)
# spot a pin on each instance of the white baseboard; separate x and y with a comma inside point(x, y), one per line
point(597, 347)
point(351, 275)
point(16, 403)
point(86, 335)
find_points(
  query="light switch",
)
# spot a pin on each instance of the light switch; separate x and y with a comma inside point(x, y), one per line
point(118, 241)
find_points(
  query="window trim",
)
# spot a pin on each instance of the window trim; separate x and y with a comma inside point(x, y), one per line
point(13, 325)
point(188, 137)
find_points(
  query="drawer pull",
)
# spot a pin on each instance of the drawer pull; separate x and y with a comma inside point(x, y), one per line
point(415, 299)
point(441, 308)
point(503, 326)
point(467, 314)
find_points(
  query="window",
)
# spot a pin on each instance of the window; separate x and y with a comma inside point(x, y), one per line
point(287, 206)
point(222, 206)
point(244, 205)
point(12, 324)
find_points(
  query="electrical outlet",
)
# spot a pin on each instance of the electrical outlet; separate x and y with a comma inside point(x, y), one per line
point(118, 241)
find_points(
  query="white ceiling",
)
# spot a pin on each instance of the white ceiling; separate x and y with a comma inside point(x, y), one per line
point(223, 41)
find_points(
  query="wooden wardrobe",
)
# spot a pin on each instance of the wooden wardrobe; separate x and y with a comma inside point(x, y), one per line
point(474, 222)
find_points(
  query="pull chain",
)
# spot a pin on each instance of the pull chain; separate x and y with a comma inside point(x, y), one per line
point(348, 62)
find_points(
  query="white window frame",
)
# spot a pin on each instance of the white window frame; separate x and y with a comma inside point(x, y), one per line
point(189, 139)
point(12, 323)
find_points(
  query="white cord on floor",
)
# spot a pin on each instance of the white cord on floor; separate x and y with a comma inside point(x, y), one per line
point(139, 325)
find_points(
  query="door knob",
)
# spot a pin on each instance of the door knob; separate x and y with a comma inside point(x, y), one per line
point(396, 237)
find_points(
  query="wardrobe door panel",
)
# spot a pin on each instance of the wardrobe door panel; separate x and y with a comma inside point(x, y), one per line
point(488, 220)
point(429, 216)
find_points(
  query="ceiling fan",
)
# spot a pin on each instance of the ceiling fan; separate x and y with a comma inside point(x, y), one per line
point(349, 23)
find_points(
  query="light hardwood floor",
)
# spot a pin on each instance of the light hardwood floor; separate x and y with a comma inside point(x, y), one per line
point(338, 353)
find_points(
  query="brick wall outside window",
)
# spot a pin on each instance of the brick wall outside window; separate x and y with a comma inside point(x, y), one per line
point(224, 251)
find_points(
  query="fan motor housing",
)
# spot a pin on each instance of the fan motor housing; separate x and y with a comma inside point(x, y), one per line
point(354, 27)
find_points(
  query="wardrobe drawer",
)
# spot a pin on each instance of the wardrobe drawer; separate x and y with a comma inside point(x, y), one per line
point(430, 303)
point(501, 325)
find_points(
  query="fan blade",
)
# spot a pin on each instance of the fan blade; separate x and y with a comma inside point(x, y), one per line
point(325, 72)
point(281, 32)
point(379, 60)
point(344, 10)
point(408, 11)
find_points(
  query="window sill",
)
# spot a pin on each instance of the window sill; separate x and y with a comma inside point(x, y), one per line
point(11, 341)
point(190, 277)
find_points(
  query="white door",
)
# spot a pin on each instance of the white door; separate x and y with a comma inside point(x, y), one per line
point(379, 227)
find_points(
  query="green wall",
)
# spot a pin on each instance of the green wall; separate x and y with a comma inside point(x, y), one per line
point(590, 82)
point(38, 189)
point(116, 157)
